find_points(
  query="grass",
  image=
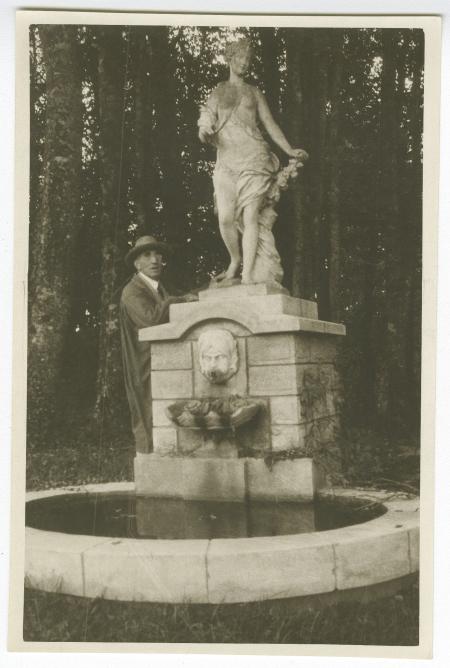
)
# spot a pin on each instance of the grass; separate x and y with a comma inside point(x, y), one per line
point(60, 618)
point(80, 464)
point(55, 617)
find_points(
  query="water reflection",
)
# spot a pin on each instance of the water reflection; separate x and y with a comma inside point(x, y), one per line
point(125, 515)
point(171, 518)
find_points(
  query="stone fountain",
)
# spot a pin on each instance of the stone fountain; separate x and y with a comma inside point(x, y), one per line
point(257, 343)
point(245, 391)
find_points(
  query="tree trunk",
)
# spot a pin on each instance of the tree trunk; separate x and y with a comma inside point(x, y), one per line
point(269, 55)
point(57, 225)
point(412, 329)
point(300, 96)
point(114, 220)
point(145, 178)
point(392, 232)
point(335, 157)
point(320, 172)
point(164, 77)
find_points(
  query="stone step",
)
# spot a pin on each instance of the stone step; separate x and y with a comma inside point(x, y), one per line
point(218, 293)
point(266, 306)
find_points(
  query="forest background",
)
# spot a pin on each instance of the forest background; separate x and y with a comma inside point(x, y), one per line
point(114, 154)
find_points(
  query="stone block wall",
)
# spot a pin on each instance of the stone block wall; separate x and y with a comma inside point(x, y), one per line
point(292, 375)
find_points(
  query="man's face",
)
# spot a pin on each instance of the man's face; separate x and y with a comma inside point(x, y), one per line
point(150, 263)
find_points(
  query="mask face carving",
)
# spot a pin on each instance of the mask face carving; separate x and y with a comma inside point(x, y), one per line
point(218, 355)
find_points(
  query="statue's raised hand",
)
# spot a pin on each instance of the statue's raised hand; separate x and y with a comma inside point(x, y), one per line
point(299, 154)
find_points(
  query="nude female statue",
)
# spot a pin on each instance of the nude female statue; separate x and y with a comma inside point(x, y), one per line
point(245, 167)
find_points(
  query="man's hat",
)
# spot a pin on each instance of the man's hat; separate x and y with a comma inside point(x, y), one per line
point(143, 244)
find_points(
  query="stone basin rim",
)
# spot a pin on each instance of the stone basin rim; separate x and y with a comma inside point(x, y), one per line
point(226, 570)
point(409, 504)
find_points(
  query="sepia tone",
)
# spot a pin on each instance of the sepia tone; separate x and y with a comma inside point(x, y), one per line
point(323, 409)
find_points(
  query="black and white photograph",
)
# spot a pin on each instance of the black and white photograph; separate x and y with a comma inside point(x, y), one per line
point(222, 270)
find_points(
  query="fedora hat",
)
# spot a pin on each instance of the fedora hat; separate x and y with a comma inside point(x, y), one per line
point(143, 244)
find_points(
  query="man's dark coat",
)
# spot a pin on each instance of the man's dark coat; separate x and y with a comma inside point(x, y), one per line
point(140, 306)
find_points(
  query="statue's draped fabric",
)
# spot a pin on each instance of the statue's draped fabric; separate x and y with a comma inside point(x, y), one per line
point(140, 306)
point(244, 155)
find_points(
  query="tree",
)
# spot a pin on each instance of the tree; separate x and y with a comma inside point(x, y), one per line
point(113, 76)
point(56, 227)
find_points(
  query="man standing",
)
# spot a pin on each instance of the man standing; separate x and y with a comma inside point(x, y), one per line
point(144, 303)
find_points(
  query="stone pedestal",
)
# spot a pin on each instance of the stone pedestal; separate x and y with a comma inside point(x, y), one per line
point(286, 364)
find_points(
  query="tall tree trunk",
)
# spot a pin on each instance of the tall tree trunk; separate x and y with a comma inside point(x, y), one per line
point(412, 325)
point(370, 261)
point(164, 77)
point(38, 101)
point(393, 274)
point(335, 157)
point(57, 225)
point(114, 219)
point(320, 171)
point(300, 98)
point(269, 54)
point(145, 177)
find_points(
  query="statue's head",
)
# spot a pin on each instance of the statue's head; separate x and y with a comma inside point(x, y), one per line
point(218, 355)
point(239, 47)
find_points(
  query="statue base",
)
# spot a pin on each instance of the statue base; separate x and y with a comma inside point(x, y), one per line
point(213, 479)
point(286, 365)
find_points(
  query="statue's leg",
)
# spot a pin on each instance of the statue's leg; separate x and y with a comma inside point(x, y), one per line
point(225, 191)
point(250, 216)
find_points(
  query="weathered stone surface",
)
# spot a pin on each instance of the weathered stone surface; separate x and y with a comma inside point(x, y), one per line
point(232, 327)
point(254, 436)
point(164, 440)
point(198, 443)
point(55, 564)
point(238, 292)
point(288, 437)
point(171, 355)
point(287, 480)
point(216, 479)
point(159, 416)
point(363, 560)
point(258, 570)
point(172, 384)
point(321, 431)
point(273, 380)
point(237, 384)
point(285, 410)
point(141, 570)
point(159, 476)
point(248, 316)
point(324, 348)
point(278, 349)
point(414, 549)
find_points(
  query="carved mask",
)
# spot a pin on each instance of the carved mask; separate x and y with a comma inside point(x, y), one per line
point(218, 355)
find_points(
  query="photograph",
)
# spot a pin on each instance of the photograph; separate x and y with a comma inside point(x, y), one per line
point(220, 271)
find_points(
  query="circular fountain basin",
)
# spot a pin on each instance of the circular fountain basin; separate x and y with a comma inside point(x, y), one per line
point(166, 550)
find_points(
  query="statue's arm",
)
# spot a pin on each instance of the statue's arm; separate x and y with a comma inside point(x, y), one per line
point(273, 129)
point(208, 118)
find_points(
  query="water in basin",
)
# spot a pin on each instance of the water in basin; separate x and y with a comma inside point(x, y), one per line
point(131, 516)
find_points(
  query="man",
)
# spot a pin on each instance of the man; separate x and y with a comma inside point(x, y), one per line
point(144, 303)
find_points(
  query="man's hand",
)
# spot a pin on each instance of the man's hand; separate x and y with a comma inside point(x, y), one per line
point(190, 297)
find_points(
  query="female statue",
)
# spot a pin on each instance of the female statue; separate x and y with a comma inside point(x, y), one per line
point(246, 170)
